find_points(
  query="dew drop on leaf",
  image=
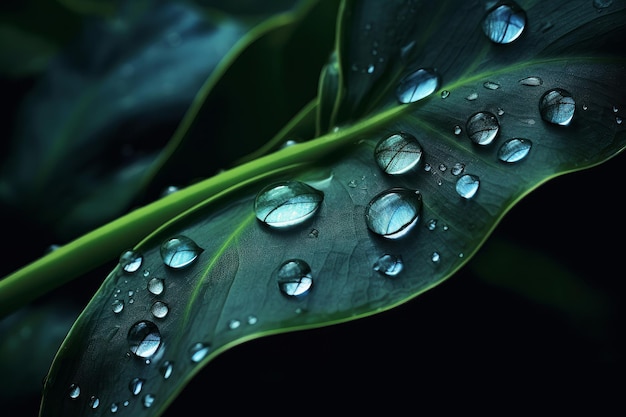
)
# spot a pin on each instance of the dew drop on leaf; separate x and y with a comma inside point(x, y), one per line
point(557, 106)
point(418, 85)
point(445, 94)
point(482, 127)
point(287, 203)
point(490, 85)
point(389, 265)
point(94, 402)
point(166, 369)
point(130, 261)
point(74, 391)
point(467, 185)
point(179, 252)
point(394, 212)
point(435, 257)
point(514, 150)
point(159, 309)
point(114, 408)
point(504, 22)
point(144, 339)
point(148, 400)
point(294, 278)
point(118, 306)
point(135, 385)
point(199, 351)
point(156, 286)
point(602, 4)
point(398, 153)
point(531, 81)
point(457, 169)
point(431, 224)
point(457, 130)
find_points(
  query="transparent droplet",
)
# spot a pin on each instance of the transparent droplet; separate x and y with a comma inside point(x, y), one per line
point(504, 22)
point(74, 391)
point(294, 278)
point(514, 150)
point(287, 203)
point(435, 257)
point(389, 265)
point(490, 85)
point(472, 97)
point(443, 167)
point(615, 109)
point(557, 106)
point(427, 167)
point(94, 402)
point(467, 185)
point(252, 319)
point(445, 94)
point(602, 4)
point(352, 184)
point(118, 306)
point(156, 286)
point(170, 189)
point(144, 338)
point(618, 120)
point(482, 127)
point(314, 233)
point(531, 81)
point(159, 309)
point(457, 169)
point(130, 261)
point(398, 153)
point(114, 408)
point(199, 351)
point(500, 111)
point(148, 400)
point(394, 212)
point(179, 252)
point(457, 130)
point(135, 385)
point(432, 224)
point(418, 85)
point(234, 324)
point(166, 369)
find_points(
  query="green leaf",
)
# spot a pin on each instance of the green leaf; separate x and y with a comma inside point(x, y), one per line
point(230, 293)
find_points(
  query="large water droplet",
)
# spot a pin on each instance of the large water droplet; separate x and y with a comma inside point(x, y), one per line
point(418, 85)
point(135, 385)
point(294, 278)
point(130, 261)
point(156, 286)
point(144, 338)
point(389, 265)
point(74, 391)
point(557, 106)
point(467, 185)
point(398, 153)
point(118, 306)
point(159, 309)
point(286, 204)
point(514, 150)
point(482, 127)
point(504, 22)
point(180, 252)
point(394, 212)
point(199, 351)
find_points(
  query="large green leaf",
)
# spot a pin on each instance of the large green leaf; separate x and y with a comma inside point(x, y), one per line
point(230, 294)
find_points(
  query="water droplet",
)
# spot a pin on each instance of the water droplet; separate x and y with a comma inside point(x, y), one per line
point(131, 293)
point(445, 94)
point(146, 273)
point(427, 167)
point(531, 81)
point(418, 85)
point(166, 369)
point(74, 391)
point(370, 69)
point(500, 111)
point(432, 224)
point(294, 278)
point(287, 203)
point(394, 212)
point(180, 252)
point(135, 385)
point(557, 106)
point(443, 167)
point(94, 402)
point(144, 338)
point(156, 286)
point(457, 169)
point(615, 109)
point(457, 130)
point(618, 120)
point(602, 4)
point(472, 97)
point(352, 183)
point(585, 107)
point(125, 403)
point(389, 265)
point(398, 153)
point(504, 22)
point(490, 85)
point(130, 261)
point(199, 351)
point(514, 150)
point(252, 319)
point(314, 233)
point(148, 400)
point(118, 306)
point(170, 189)
point(159, 309)
point(467, 185)
point(114, 408)
point(435, 257)
point(482, 127)
point(234, 324)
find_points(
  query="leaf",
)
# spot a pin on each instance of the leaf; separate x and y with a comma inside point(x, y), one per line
point(230, 293)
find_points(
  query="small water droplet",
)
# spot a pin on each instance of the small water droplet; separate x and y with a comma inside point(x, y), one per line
point(418, 85)
point(585, 107)
point(457, 169)
point(457, 130)
point(398, 153)
point(94, 402)
point(74, 391)
point(370, 69)
point(532, 81)
point(199, 351)
point(159, 309)
point(294, 278)
point(166, 369)
point(389, 265)
point(394, 212)
point(490, 85)
point(557, 106)
point(615, 109)
point(352, 183)
point(179, 252)
point(131, 293)
point(114, 408)
point(130, 261)
point(148, 400)
point(432, 224)
point(443, 167)
point(156, 286)
point(135, 385)
point(618, 120)
point(514, 150)
point(500, 111)
point(146, 273)
point(234, 324)
point(287, 203)
point(435, 257)
point(170, 189)
point(602, 4)
point(252, 319)
point(427, 167)
point(144, 338)
point(118, 306)
point(314, 233)
point(472, 97)
point(125, 403)
point(445, 94)
point(482, 127)
point(504, 22)
point(467, 185)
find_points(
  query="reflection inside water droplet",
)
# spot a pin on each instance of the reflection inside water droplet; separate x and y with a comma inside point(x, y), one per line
point(514, 150)
point(418, 85)
point(394, 212)
point(287, 203)
point(398, 153)
point(294, 278)
point(482, 128)
point(179, 252)
point(130, 261)
point(557, 106)
point(467, 185)
point(504, 22)
point(389, 265)
point(144, 338)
